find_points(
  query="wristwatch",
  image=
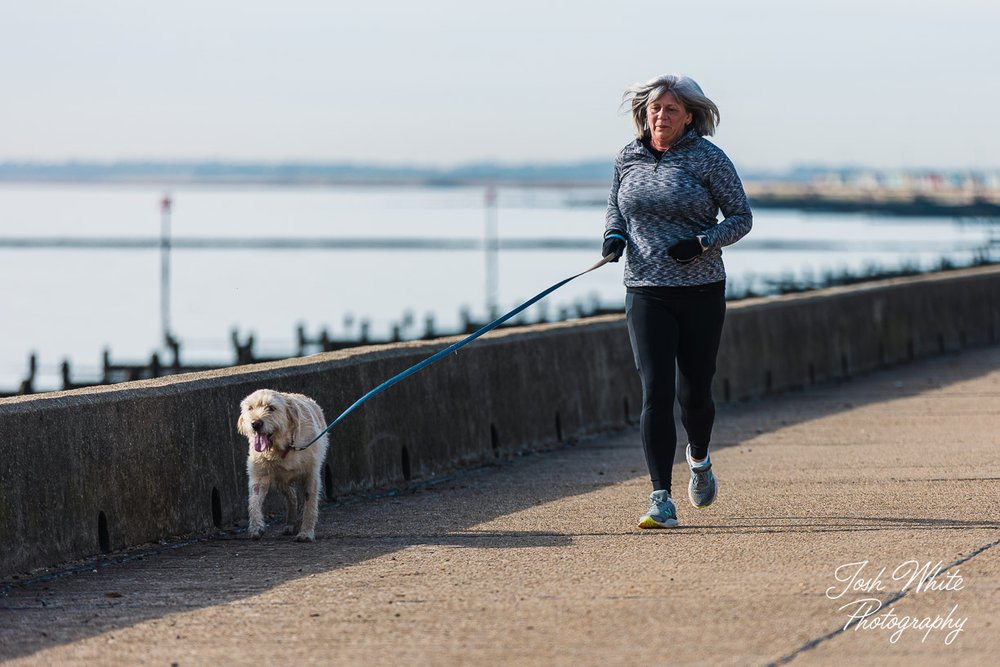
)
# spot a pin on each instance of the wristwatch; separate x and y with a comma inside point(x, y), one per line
point(703, 242)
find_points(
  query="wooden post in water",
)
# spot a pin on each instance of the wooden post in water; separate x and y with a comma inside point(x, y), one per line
point(165, 204)
point(492, 245)
point(67, 382)
point(28, 384)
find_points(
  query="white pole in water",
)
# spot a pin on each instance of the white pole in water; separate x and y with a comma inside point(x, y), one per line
point(165, 204)
point(492, 246)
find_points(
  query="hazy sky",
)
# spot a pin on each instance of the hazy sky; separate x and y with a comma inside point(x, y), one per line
point(447, 82)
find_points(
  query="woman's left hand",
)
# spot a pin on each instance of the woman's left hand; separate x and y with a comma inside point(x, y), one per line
point(685, 250)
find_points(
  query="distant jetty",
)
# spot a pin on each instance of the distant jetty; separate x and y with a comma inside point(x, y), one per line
point(952, 202)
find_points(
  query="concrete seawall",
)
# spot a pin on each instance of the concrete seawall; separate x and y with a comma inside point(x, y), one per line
point(105, 468)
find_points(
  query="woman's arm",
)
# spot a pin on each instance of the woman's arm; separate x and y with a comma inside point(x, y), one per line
point(727, 190)
point(614, 221)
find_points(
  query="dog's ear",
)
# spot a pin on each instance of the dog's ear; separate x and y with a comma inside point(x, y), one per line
point(294, 418)
point(241, 424)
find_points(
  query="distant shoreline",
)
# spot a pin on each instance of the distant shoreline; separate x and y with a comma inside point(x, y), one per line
point(312, 183)
point(920, 193)
point(583, 174)
point(587, 173)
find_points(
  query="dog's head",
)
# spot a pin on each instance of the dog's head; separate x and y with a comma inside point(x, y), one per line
point(266, 419)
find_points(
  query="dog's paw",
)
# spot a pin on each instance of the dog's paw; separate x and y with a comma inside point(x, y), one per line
point(255, 532)
point(289, 529)
point(306, 536)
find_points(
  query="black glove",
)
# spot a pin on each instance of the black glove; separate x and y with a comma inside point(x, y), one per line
point(685, 250)
point(613, 245)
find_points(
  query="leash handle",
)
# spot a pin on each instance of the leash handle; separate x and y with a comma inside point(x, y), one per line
point(452, 348)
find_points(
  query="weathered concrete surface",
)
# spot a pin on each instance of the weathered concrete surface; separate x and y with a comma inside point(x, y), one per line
point(108, 468)
point(536, 561)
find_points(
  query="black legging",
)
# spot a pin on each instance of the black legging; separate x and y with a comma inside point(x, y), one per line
point(668, 325)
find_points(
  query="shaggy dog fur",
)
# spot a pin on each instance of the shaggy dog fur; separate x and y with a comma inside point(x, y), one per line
point(273, 423)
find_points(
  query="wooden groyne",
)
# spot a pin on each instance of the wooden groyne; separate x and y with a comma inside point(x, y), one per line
point(246, 351)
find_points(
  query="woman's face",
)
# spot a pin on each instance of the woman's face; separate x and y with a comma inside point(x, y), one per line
point(667, 119)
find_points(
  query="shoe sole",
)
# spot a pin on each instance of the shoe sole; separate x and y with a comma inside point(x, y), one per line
point(650, 522)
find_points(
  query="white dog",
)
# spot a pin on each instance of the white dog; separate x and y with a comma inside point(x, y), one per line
point(275, 422)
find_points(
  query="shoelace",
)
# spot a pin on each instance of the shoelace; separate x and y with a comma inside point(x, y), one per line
point(660, 507)
point(700, 478)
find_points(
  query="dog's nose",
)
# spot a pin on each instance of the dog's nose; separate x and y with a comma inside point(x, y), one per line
point(257, 425)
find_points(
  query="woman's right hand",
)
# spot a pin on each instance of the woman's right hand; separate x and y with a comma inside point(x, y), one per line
point(614, 244)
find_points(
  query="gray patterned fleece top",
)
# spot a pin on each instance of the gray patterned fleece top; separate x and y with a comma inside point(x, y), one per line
point(657, 202)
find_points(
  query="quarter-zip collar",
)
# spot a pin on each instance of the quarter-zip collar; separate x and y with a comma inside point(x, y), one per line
point(640, 146)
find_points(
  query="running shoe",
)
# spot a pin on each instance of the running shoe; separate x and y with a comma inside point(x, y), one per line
point(702, 488)
point(661, 514)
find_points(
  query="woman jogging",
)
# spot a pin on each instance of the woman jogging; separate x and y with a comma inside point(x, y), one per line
point(669, 186)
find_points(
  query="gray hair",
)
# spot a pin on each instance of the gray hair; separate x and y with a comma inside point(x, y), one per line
point(705, 115)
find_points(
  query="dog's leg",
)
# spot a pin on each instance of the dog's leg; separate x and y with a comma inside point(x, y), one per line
point(258, 491)
point(310, 511)
point(291, 509)
point(301, 508)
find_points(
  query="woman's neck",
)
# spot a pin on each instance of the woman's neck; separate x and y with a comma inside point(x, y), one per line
point(660, 145)
point(664, 144)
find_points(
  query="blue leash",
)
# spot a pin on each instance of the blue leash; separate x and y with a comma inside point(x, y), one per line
point(451, 348)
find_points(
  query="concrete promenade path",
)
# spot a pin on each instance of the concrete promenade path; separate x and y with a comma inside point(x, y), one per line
point(830, 496)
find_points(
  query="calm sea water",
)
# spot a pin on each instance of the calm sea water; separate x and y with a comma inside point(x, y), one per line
point(74, 303)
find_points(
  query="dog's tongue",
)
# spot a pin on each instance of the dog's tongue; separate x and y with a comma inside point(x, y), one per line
point(261, 441)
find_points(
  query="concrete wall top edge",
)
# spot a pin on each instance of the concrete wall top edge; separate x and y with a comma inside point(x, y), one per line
point(889, 283)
